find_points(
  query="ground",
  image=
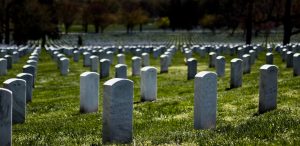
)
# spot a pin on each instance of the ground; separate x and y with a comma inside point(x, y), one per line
point(53, 116)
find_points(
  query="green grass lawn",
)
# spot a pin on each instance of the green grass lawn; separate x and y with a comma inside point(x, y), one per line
point(53, 116)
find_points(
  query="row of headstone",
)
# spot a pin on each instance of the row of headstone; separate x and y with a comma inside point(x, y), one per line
point(14, 95)
point(8, 59)
point(62, 62)
point(219, 63)
point(205, 94)
point(217, 50)
point(117, 102)
point(292, 58)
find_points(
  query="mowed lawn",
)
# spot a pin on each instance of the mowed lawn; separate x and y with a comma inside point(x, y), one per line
point(53, 116)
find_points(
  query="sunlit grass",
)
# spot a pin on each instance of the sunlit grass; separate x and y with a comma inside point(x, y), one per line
point(53, 116)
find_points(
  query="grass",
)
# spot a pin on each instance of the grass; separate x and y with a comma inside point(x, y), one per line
point(53, 116)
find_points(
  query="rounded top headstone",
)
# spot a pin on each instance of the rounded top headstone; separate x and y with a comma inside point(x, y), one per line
point(104, 60)
point(246, 55)
point(205, 74)
point(3, 59)
point(114, 81)
point(212, 53)
point(27, 66)
point(94, 57)
point(109, 52)
point(88, 74)
point(270, 68)
point(136, 58)
point(23, 74)
point(148, 68)
point(163, 56)
point(236, 60)
point(220, 57)
point(120, 65)
point(12, 80)
point(191, 59)
point(64, 58)
point(86, 53)
point(5, 90)
point(119, 55)
point(145, 54)
point(296, 54)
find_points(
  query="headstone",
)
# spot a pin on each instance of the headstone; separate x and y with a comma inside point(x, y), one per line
point(269, 58)
point(3, 66)
point(252, 56)
point(169, 61)
point(246, 64)
point(212, 59)
point(2, 53)
point(9, 61)
point(117, 111)
point(110, 56)
point(188, 54)
point(89, 92)
point(32, 62)
point(76, 56)
point(94, 63)
point(29, 83)
point(289, 59)
point(64, 66)
point(15, 56)
point(164, 67)
point(220, 66)
point(283, 55)
point(148, 83)
point(136, 66)
point(6, 104)
point(296, 64)
point(35, 58)
point(121, 71)
point(240, 52)
point(86, 59)
point(205, 100)
point(18, 89)
point(236, 75)
point(31, 70)
point(121, 59)
point(192, 68)
point(104, 68)
point(268, 88)
point(145, 59)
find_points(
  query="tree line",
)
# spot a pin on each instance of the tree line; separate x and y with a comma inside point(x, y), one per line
point(35, 19)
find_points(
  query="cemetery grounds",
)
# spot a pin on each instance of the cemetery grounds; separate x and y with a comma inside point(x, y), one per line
point(53, 116)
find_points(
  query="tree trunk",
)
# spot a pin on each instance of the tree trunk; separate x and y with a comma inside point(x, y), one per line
point(232, 32)
point(67, 27)
point(287, 22)
point(256, 32)
point(127, 28)
point(141, 27)
point(7, 27)
point(102, 29)
point(131, 29)
point(85, 27)
point(96, 28)
point(1, 32)
point(43, 41)
point(2, 20)
point(249, 23)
